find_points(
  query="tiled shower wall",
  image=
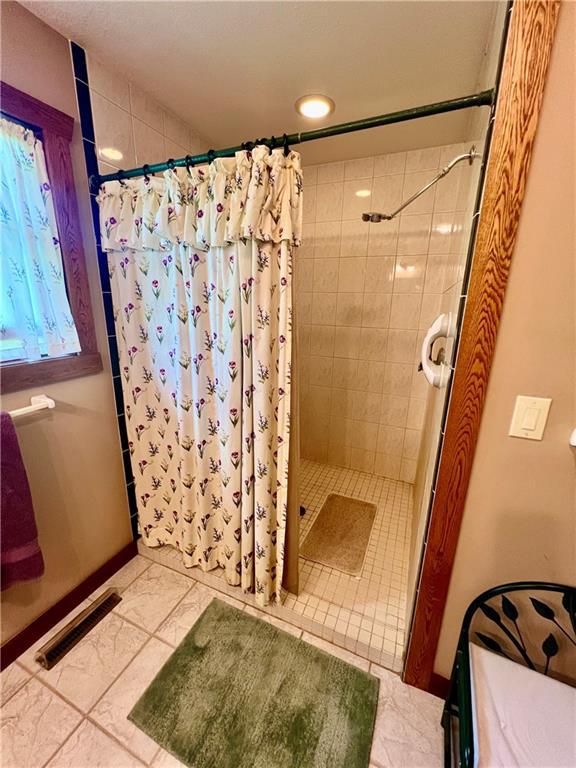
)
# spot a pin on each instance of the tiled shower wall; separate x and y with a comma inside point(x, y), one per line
point(130, 120)
point(366, 293)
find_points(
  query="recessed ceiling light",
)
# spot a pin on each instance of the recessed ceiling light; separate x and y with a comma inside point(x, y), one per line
point(315, 105)
point(110, 153)
point(363, 193)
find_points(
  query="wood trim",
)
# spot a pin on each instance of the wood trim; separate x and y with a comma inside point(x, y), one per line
point(23, 640)
point(57, 128)
point(530, 39)
point(439, 686)
point(18, 376)
point(34, 112)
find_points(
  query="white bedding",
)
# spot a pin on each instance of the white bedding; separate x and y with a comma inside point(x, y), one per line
point(521, 717)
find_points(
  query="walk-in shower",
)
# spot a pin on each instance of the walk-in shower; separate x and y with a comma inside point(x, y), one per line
point(366, 287)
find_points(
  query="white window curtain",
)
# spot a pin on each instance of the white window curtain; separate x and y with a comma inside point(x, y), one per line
point(201, 273)
point(35, 316)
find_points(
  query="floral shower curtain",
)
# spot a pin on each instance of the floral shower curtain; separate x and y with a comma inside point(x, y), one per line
point(201, 269)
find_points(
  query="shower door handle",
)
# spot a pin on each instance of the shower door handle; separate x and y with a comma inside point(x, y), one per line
point(437, 373)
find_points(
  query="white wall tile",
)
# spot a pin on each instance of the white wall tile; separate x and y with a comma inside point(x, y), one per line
point(423, 159)
point(322, 340)
point(387, 193)
point(113, 128)
point(376, 288)
point(405, 312)
point(349, 309)
point(359, 169)
point(409, 274)
point(401, 346)
point(394, 411)
point(354, 238)
point(388, 164)
point(329, 202)
point(379, 277)
point(345, 373)
point(149, 144)
point(414, 234)
point(327, 240)
point(108, 83)
point(354, 205)
point(373, 342)
point(376, 310)
point(416, 413)
point(147, 109)
point(330, 172)
point(173, 150)
point(326, 275)
point(176, 129)
point(390, 440)
point(351, 275)
point(414, 182)
point(383, 238)
point(347, 342)
point(323, 308)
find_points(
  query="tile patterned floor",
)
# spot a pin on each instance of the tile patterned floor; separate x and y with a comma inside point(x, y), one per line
point(74, 716)
point(365, 615)
point(368, 613)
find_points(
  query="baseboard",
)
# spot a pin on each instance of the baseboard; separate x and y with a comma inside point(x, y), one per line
point(439, 686)
point(23, 640)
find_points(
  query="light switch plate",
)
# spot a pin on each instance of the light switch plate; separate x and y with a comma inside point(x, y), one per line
point(529, 417)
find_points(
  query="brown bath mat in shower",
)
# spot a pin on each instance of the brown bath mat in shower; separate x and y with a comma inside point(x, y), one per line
point(340, 534)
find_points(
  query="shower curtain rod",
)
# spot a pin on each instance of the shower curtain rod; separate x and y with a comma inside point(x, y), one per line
point(482, 99)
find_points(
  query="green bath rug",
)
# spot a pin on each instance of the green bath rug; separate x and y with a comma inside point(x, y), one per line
point(239, 693)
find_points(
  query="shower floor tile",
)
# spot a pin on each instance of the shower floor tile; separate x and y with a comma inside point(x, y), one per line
point(364, 614)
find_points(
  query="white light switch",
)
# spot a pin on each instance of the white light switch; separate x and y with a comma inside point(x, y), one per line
point(529, 417)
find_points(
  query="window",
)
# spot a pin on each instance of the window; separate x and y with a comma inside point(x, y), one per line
point(35, 316)
point(46, 327)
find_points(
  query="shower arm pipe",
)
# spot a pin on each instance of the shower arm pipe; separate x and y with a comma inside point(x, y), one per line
point(377, 217)
point(482, 99)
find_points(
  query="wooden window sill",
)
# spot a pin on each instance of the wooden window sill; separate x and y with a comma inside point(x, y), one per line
point(18, 376)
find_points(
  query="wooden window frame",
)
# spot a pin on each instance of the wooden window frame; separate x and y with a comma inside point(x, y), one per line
point(56, 130)
point(528, 51)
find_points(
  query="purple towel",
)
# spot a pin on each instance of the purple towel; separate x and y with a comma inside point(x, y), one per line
point(20, 554)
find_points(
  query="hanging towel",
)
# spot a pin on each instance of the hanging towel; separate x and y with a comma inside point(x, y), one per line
point(20, 554)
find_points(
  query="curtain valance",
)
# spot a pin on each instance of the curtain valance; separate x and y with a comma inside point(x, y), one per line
point(255, 194)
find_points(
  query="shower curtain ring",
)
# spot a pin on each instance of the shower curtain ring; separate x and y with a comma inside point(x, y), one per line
point(189, 163)
point(146, 169)
point(170, 163)
point(211, 155)
point(286, 147)
point(121, 174)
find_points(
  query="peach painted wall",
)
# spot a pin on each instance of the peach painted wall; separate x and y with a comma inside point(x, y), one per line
point(72, 454)
point(520, 514)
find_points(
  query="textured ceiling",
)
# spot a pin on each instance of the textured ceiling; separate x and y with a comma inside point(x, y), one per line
point(233, 70)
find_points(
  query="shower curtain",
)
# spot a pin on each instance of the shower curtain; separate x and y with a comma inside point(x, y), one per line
point(200, 266)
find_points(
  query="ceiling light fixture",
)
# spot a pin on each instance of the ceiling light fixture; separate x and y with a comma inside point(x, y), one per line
point(110, 153)
point(315, 106)
point(363, 193)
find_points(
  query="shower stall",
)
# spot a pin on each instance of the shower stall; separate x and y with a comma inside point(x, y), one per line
point(377, 249)
point(367, 292)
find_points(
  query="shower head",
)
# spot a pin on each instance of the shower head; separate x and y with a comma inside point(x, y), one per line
point(376, 217)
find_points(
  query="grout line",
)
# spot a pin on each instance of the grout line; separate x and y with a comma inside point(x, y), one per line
point(72, 732)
